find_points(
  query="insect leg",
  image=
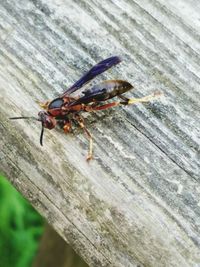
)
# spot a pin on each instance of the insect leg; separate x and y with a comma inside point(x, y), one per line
point(44, 105)
point(106, 106)
point(147, 98)
point(123, 97)
point(80, 121)
point(126, 101)
point(67, 126)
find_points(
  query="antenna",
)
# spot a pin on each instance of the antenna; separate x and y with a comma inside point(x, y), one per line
point(41, 135)
point(30, 118)
point(35, 119)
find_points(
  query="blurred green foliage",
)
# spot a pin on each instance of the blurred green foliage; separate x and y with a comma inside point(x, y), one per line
point(20, 228)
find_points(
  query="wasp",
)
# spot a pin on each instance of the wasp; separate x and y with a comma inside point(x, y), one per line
point(67, 107)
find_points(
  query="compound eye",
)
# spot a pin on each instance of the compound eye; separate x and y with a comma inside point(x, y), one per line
point(48, 122)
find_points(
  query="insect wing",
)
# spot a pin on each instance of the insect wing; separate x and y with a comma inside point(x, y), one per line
point(103, 91)
point(92, 73)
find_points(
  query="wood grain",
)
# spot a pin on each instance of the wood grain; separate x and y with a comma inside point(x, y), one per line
point(137, 203)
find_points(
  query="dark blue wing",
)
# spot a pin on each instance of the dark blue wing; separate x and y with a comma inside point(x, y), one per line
point(92, 73)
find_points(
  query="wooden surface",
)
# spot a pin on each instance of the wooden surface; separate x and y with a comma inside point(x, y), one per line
point(138, 202)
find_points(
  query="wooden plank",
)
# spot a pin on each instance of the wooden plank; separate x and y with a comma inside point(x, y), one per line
point(137, 203)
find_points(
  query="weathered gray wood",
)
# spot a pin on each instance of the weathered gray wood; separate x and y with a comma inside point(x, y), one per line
point(137, 203)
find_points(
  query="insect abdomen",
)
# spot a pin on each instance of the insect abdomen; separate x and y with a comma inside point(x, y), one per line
point(117, 87)
point(112, 88)
point(103, 91)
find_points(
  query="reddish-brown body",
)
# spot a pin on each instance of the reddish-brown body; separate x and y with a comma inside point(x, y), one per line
point(108, 89)
point(67, 108)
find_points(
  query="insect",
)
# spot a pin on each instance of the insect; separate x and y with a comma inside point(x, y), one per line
point(66, 108)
